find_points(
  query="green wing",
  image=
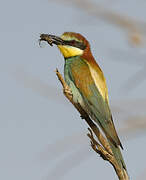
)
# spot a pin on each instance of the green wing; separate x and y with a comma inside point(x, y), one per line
point(96, 106)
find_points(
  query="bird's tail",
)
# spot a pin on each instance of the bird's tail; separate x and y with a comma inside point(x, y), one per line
point(118, 156)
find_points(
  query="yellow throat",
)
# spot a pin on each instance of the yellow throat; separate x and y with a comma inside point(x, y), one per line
point(70, 51)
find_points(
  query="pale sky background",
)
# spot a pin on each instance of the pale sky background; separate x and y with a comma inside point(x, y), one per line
point(42, 136)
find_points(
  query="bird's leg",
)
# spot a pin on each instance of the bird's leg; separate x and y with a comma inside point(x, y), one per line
point(67, 90)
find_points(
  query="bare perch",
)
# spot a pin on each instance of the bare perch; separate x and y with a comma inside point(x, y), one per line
point(102, 148)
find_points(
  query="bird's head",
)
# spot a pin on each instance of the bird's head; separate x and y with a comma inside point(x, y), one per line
point(69, 43)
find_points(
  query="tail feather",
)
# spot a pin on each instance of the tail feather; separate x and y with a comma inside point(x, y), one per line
point(118, 155)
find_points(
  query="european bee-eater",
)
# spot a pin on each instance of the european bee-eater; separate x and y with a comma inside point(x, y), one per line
point(88, 85)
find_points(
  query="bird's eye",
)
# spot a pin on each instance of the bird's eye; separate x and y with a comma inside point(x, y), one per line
point(76, 44)
point(73, 42)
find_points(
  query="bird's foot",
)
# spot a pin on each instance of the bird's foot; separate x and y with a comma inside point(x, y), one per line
point(66, 90)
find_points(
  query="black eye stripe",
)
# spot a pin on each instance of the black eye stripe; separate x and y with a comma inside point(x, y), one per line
point(75, 44)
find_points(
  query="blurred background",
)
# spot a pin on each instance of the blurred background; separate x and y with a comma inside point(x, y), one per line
point(42, 136)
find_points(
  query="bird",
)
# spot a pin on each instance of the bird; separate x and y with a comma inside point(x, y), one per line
point(88, 85)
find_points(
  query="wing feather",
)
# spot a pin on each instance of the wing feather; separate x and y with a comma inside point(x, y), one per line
point(97, 106)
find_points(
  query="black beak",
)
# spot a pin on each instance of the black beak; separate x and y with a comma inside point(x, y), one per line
point(51, 39)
